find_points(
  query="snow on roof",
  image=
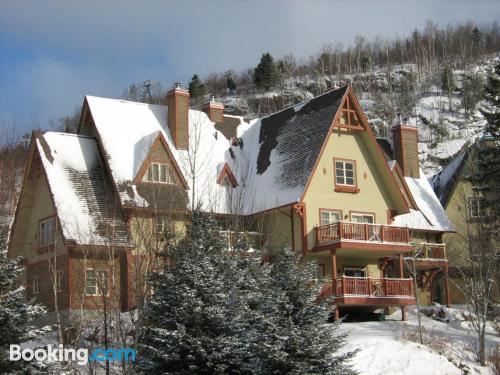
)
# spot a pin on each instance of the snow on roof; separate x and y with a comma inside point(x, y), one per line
point(431, 215)
point(280, 150)
point(81, 192)
point(127, 131)
point(442, 181)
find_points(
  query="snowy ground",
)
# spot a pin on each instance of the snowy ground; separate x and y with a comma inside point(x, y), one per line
point(388, 347)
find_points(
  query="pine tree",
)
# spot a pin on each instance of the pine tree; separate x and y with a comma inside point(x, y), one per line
point(216, 311)
point(489, 157)
point(196, 87)
point(294, 334)
point(231, 85)
point(16, 317)
point(266, 73)
point(198, 319)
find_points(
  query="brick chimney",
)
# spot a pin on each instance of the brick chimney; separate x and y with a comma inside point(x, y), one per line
point(178, 116)
point(405, 140)
point(214, 110)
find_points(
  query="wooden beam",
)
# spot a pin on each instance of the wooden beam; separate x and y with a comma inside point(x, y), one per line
point(447, 286)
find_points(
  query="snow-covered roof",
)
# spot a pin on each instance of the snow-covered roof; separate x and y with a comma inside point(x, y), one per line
point(443, 181)
point(430, 214)
point(272, 161)
point(82, 193)
point(280, 150)
point(127, 131)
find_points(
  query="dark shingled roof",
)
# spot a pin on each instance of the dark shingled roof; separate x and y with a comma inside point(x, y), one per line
point(92, 186)
point(297, 136)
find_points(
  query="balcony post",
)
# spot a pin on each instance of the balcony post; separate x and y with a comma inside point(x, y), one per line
point(401, 270)
point(382, 232)
point(447, 286)
point(342, 284)
point(334, 272)
point(366, 232)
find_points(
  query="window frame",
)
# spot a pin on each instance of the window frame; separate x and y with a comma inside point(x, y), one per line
point(58, 280)
point(361, 213)
point(344, 187)
point(35, 280)
point(355, 268)
point(41, 236)
point(330, 211)
point(97, 291)
point(150, 173)
point(167, 223)
point(479, 204)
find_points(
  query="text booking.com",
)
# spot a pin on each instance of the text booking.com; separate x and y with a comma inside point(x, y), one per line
point(60, 354)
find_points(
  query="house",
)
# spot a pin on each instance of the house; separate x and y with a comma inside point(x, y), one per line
point(467, 207)
point(96, 206)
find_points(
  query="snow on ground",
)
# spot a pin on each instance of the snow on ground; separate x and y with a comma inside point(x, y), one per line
point(388, 347)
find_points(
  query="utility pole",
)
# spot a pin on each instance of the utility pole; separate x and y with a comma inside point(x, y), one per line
point(147, 84)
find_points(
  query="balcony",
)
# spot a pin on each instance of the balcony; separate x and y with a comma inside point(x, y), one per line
point(345, 234)
point(369, 291)
point(429, 255)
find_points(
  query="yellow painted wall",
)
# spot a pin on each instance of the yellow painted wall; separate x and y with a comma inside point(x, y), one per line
point(276, 224)
point(35, 204)
point(372, 197)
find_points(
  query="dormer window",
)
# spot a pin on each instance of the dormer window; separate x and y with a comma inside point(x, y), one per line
point(160, 173)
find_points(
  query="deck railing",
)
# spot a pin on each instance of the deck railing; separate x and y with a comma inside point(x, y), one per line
point(432, 251)
point(345, 230)
point(367, 287)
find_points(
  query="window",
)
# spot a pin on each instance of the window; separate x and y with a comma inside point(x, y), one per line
point(329, 217)
point(35, 286)
point(96, 282)
point(159, 173)
point(355, 271)
point(58, 280)
point(164, 227)
point(46, 232)
point(345, 172)
point(477, 207)
point(362, 218)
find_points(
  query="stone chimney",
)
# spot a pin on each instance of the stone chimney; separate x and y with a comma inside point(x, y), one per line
point(214, 110)
point(178, 116)
point(405, 140)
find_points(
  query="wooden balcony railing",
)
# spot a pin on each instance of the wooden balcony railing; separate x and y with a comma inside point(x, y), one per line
point(345, 230)
point(432, 251)
point(367, 287)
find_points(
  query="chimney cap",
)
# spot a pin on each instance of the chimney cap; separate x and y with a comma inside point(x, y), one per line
point(177, 85)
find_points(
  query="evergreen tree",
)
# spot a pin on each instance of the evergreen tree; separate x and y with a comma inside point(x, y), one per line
point(447, 80)
point(216, 311)
point(231, 85)
point(294, 335)
point(198, 321)
point(16, 317)
point(489, 158)
point(472, 91)
point(196, 87)
point(266, 73)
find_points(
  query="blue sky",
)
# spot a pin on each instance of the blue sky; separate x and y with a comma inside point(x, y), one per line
point(52, 53)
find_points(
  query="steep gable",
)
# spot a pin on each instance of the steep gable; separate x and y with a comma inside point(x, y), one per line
point(160, 153)
point(81, 190)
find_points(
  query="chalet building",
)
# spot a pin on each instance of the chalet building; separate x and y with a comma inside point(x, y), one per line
point(96, 206)
point(468, 208)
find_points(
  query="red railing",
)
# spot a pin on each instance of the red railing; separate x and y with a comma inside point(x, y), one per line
point(344, 230)
point(367, 287)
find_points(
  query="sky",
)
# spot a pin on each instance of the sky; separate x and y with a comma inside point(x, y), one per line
point(53, 53)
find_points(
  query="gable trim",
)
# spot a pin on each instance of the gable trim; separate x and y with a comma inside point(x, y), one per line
point(34, 150)
point(405, 186)
point(227, 173)
point(364, 122)
point(145, 165)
